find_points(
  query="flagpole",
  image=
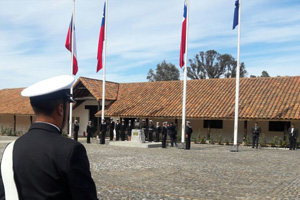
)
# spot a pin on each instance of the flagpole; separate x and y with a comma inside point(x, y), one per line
point(236, 114)
point(72, 54)
point(104, 63)
point(184, 79)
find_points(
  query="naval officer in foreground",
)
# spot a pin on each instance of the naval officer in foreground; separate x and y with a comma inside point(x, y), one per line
point(42, 164)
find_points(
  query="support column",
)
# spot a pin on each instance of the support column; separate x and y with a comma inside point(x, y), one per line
point(285, 131)
point(208, 129)
point(245, 129)
point(15, 123)
point(98, 123)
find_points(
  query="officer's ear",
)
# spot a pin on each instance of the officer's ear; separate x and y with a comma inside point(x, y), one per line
point(60, 109)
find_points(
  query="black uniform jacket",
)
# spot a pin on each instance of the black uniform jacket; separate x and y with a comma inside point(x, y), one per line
point(89, 129)
point(129, 129)
point(257, 132)
point(49, 166)
point(76, 127)
point(112, 126)
point(189, 131)
point(295, 133)
point(157, 129)
point(118, 127)
point(164, 131)
point(172, 130)
point(151, 128)
point(103, 127)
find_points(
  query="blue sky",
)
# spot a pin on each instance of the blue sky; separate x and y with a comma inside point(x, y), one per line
point(140, 35)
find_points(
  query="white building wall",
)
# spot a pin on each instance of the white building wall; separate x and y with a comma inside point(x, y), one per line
point(6, 122)
point(83, 114)
point(22, 124)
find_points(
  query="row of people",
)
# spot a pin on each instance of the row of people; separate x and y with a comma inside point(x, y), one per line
point(121, 130)
point(292, 133)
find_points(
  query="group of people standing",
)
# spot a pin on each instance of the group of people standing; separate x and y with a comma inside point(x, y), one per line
point(152, 133)
point(292, 134)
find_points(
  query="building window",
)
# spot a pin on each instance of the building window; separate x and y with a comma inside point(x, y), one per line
point(77, 118)
point(279, 126)
point(216, 124)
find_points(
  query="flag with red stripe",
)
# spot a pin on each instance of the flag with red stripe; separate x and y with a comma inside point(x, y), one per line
point(69, 44)
point(183, 36)
point(101, 41)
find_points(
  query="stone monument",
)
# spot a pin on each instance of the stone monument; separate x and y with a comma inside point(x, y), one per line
point(138, 135)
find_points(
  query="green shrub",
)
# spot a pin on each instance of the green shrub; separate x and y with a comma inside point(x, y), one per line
point(220, 140)
point(194, 139)
point(226, 142)
point(9, 131)
point(274, 141)
point(203, 140)
point(211, 140)
point(262, 140)
point(246, 141)
point(179, 137)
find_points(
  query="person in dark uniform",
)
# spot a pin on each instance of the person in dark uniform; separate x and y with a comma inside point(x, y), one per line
point(76, 129)
point(123, 129)
point(255, 135)
point(89, 130)
point(144, 128)
point(137, 124)
point(118, 128)
point(150, 130)
point(45, 164)
point(111, 129)
point(157, 132)
point(164, 135)
point(188, 134)
point(172, 134)
point(293, 135)
point(129, 129)
point(103, 128)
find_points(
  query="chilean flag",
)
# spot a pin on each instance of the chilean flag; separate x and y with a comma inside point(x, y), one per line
point(69, 46)
point(101, 41)
point(183, 36)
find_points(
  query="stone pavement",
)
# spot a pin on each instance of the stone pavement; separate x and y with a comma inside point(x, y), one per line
point(204, 172)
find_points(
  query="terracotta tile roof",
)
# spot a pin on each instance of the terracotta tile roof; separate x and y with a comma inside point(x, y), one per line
point(12, 103)
point(260, 98)
point(95, 88)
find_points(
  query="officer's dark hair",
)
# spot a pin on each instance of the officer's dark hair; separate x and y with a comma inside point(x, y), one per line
point(293, 124)
point(45, 107)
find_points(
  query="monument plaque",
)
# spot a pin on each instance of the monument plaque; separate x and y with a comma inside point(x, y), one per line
point(137, 135)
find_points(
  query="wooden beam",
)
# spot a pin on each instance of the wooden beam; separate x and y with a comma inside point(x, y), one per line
point(15, 123)
point(84, 98)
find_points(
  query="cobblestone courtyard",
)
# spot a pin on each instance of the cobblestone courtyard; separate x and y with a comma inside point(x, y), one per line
point(204, 172)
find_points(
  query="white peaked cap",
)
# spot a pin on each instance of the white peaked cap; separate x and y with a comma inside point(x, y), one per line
point(50, 87)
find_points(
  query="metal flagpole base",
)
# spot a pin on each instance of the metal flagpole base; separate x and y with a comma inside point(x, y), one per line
point(234, 148)
point(181, 145)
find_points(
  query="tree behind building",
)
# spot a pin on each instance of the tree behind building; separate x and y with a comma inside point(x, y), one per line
point(164, 72)
point(211, 64)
